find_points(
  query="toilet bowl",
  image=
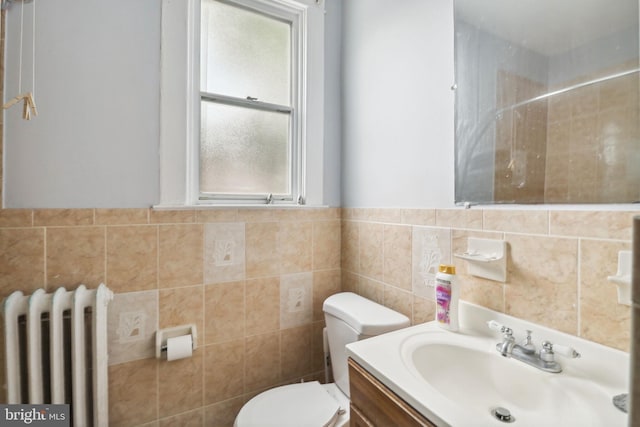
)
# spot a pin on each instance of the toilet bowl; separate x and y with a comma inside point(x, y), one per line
point(349, 318)
point(297, 405)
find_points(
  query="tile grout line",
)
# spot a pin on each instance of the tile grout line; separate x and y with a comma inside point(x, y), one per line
point(244, 302)
point(157, 318)
point(44, 279)
point(504, 285)
point(579, 289)
point(204, 352)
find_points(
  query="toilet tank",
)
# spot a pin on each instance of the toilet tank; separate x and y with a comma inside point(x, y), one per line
point(350, 318)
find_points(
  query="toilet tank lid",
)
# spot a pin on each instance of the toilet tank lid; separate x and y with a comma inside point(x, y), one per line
point(363, 315)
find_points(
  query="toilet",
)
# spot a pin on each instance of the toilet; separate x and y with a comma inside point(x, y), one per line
point(349, 318)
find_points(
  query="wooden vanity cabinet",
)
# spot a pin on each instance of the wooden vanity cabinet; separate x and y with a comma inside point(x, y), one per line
point(375, 405)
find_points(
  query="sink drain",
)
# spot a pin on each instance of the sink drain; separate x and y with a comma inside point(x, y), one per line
point(503, 414)
point(620, 401)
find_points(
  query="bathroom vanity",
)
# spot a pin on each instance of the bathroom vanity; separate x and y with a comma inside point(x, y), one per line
point(426, 376)
point(373, 404)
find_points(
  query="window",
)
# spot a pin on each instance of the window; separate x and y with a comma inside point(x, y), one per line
point(248, 125)
point(249, 145)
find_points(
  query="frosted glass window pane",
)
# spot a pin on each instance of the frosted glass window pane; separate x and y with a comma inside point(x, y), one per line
point(244, 53)
point(243, 150)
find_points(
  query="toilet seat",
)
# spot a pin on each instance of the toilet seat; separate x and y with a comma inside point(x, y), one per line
point(296, 405)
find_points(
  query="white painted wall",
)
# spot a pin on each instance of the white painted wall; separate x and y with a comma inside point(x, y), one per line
point(332, 99)
point(397, 104)
point(591, 59)
point(95, 140)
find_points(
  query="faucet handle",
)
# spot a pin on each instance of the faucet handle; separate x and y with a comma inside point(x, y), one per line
point(499, 327)
point(527, 344)
point(548, 350)
point(566, 351)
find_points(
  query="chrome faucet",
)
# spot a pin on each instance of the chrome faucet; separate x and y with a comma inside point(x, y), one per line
point(509, 342)
point(526, 352)
point(527, 345)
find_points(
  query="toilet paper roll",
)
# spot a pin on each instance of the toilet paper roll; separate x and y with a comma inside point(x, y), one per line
point(179, 347)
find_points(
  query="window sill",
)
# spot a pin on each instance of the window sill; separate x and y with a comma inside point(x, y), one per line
point(162, 207)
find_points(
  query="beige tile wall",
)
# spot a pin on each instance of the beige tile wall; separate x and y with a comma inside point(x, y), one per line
point(557, 266)
point(226, 270)
point(592, 141)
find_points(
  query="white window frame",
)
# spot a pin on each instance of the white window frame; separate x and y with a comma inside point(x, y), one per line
point(295, 17)
point(180, 102)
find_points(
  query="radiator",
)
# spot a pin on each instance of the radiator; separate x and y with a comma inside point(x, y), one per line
point(56, 351)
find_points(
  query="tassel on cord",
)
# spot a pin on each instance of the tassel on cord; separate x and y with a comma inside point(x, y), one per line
point(29, 107)
point(29, 104)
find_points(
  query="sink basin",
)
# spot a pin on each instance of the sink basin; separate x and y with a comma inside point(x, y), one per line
point(459, 379)
point(471, 373)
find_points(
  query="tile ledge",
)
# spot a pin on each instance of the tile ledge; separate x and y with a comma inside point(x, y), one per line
point(231, 206)
point(560, 207)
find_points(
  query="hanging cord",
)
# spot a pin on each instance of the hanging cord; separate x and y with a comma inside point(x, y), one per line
point(33, 53)
point(21, 50)
point(29, 106)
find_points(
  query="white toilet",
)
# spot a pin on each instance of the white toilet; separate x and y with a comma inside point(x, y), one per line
point(349, 318)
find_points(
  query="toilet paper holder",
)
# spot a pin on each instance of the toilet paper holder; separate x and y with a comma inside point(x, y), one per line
point(162, 335)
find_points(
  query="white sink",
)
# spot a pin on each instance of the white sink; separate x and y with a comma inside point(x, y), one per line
point(472, 373)
point(457, 379)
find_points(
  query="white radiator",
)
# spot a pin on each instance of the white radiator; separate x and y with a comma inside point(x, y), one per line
point(56, 351)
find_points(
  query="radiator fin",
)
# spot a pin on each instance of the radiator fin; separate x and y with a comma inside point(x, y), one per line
point(56, 351)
